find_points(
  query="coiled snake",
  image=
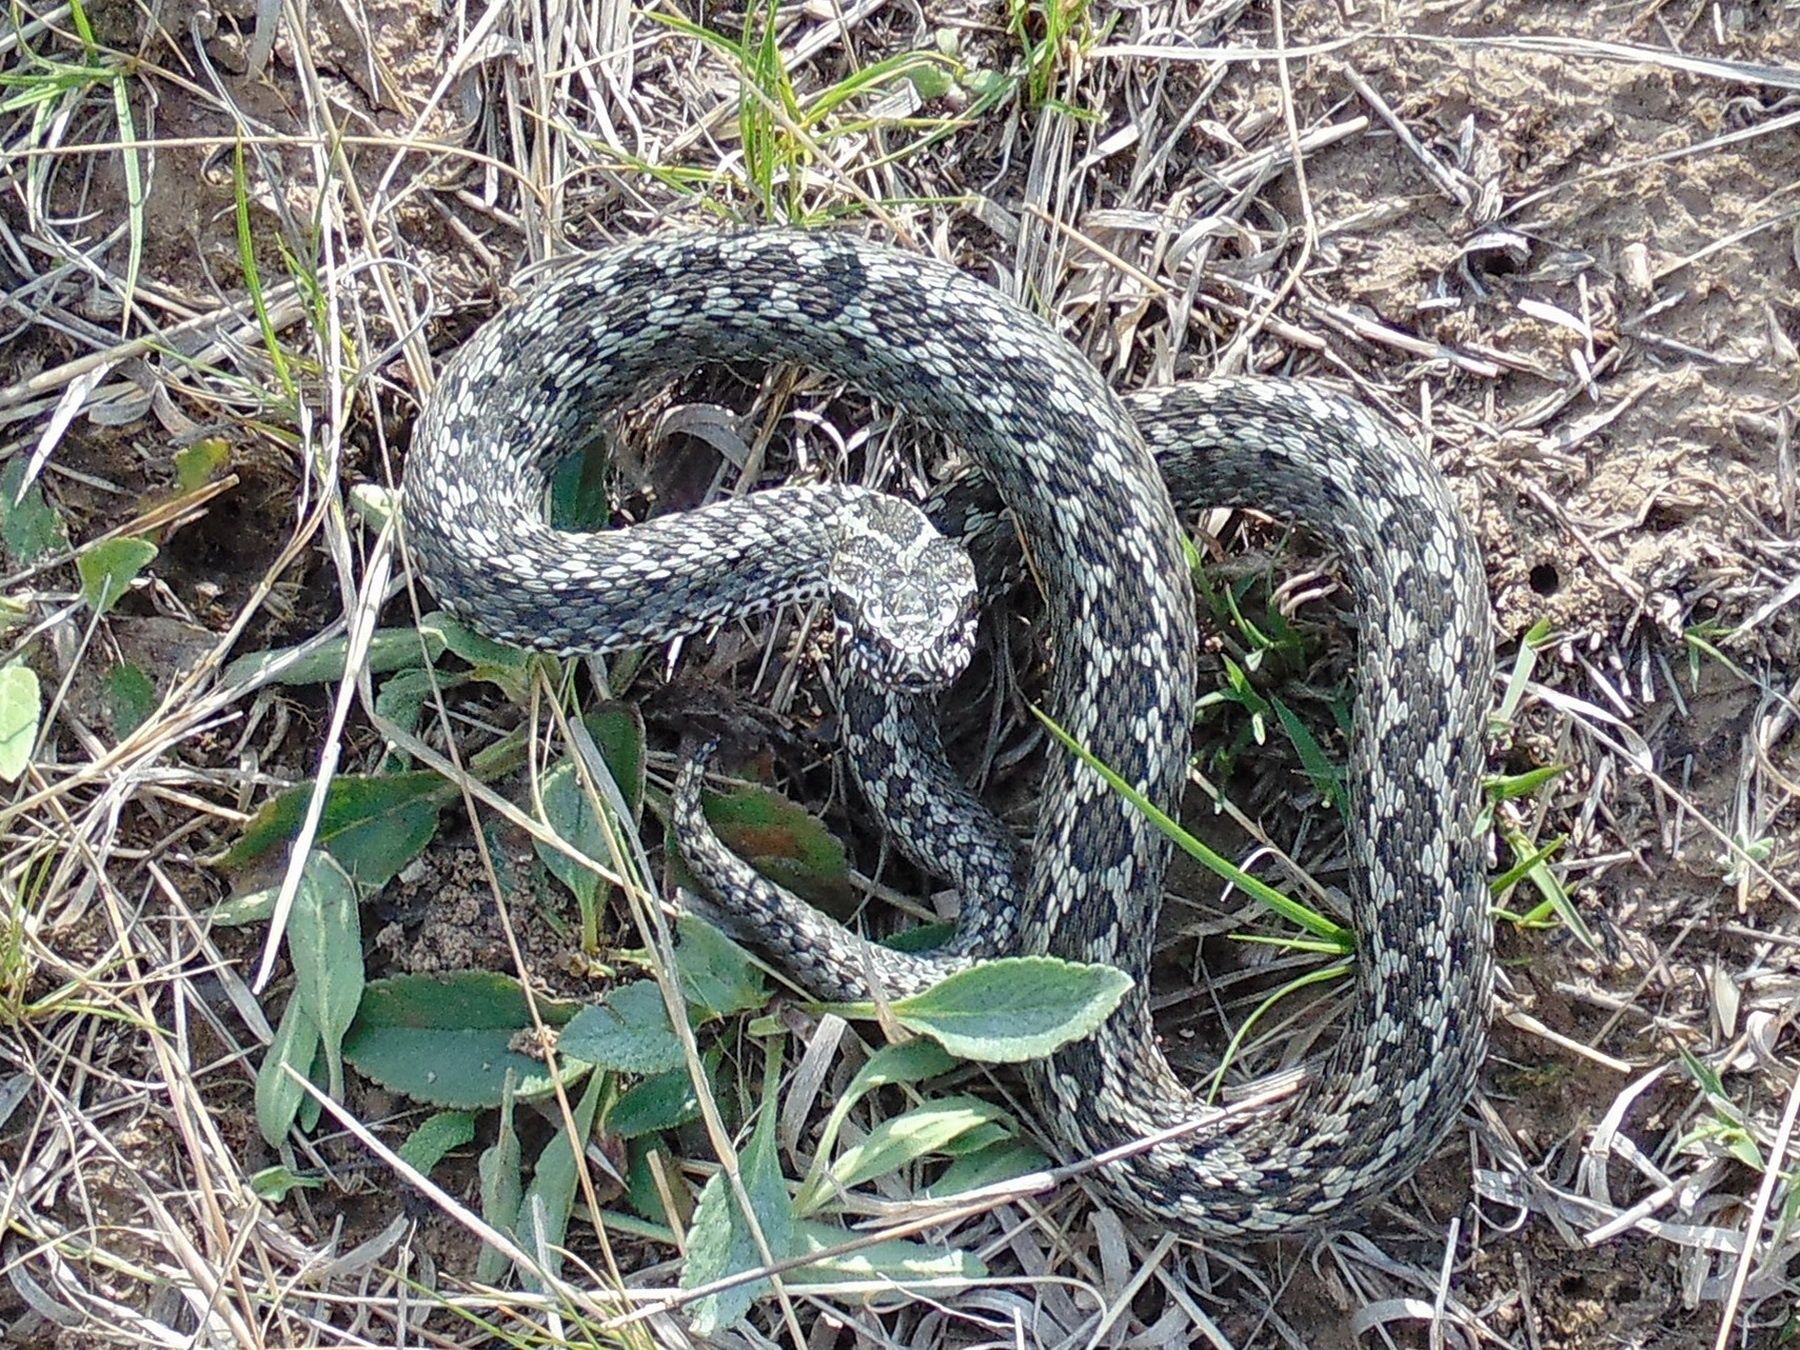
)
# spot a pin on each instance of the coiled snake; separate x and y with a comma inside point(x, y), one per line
point(1073, 464)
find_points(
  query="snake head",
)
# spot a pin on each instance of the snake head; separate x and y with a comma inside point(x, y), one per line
point(904, 598)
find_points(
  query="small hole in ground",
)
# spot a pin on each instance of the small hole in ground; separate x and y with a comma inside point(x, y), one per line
point(1544, 579)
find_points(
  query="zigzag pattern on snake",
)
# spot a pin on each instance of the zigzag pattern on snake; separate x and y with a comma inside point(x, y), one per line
point(1074, 466)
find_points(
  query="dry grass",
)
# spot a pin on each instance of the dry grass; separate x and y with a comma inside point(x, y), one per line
point(1558, 244)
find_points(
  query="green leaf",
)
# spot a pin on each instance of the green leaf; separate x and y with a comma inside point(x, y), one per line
point(390, 649)
point(640, 1178)
point(618, 729)
point(108, 569)
point(1327, 778)
point(435, 1136)
point(403, 695)
point(201, 462)
point(629, 1032)
point(241, 910)
point(720, 1241)
point(717, 976)
point(544, 1213)
point(786, 843)
point(579, 499)
point(571, 815)
point(29, 525)
point(902, 1140)
point(1014, 1009)
point(1004, 1160)
point(278, 1096)
point(130, 698)
point(501, 1169)
point(908, 1062)
point(274, 1183)
point(450, 1040)
point(897, 1260)
point(372, 824)
point(662, 1101)
point(21, 705)
point(324, 937)
point(507, 668)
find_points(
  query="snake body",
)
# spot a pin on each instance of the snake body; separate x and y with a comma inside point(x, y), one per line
point(1074, 465)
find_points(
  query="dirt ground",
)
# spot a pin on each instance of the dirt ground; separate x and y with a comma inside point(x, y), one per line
point(1558, 243)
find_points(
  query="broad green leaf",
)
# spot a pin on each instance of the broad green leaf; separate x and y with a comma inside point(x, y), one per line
point(435, 1136)
point(908, 1062)
point(902, 1140)
point(618, 729)
point(108, 569)
point(21, 704)
point(544, 1212)
point(1004, 1160)
point(278, 1096)
point(372, 824)
point(720, 1241)
point(662, 1101)
point(640, 1178)
point(403, 695)
point(324, 937)
point(450, 1040)
point(579, 499)
point(453, 635)
point(29, 525)
point(898, 1260)
point(786, 843)
point(1014, 1009)
point(629, 1032)
point(130, 698)
point(501, 1170)
point(569, 813)
point(241, 910)
point(717, 976)
point(507, 668)
point(201, 462)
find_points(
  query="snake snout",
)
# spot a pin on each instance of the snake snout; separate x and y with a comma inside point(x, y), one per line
point(905, 603)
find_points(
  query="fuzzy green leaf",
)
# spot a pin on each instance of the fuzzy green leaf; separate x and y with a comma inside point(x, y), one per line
point(324, 937)
point(130, 698)
point(29, 525)
point(544, 1213)
point(1014, 1009)
point(1002, 1160)
point(629, 1032)
point(662, 1101)
point(451, 1040)
point(435, 1136)
point(717, 976)
point(501, 1170)
point(21, 705)
point(720, 1241)
point(372, 824)
point(108, 569)
point(571, 815)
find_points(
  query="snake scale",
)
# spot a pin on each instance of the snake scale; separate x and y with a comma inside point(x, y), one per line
point(1093, 483)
